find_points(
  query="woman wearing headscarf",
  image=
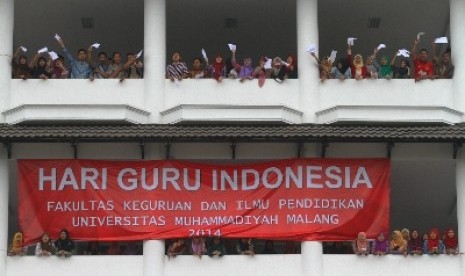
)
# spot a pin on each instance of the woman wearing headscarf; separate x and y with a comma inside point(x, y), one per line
point(358, 69)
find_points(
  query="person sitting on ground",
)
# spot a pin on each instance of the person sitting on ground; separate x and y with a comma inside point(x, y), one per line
point(176, 248)
point(21, 68)
point(216, 248)
point(245, 247)
point(80, 68)
point(45, 246)
point(16, 247)
point(361, 245)
point(177, 70)
point(64, 245)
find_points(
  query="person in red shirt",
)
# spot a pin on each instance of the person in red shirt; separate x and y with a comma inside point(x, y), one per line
point(424, 69)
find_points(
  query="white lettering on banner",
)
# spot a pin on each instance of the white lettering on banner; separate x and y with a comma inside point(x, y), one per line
point(320, 203)
point(118, 221)
point(212, 206)
point(153, 205)
point(129, 179)
point(253, 204)
point(70, 206)
point(312, 219)
point(224, 220)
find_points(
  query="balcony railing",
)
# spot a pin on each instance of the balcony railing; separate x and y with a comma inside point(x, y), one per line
point(206, 100)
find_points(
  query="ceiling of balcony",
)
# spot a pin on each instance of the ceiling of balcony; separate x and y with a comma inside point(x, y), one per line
point(258, 27)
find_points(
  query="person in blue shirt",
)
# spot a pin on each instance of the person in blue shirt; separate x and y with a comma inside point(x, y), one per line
point(80, 68)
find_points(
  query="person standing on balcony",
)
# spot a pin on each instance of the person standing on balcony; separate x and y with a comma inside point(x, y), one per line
point(41, 67)
point(177, 70)
point(245, 70)
point(99, 67)
point(134, 67)
point(444, 68)
point(357, 68)
point(424, 69)
point(245, 247)
point(80, 68)
point(64, 245)
point(341, 70)
point(21, 69)
point(116, 70)
point(197, 72)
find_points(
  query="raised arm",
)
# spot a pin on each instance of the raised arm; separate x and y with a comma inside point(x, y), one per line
point(393, 60)
point(413, 52)
point(33, 62)
point(89, 55)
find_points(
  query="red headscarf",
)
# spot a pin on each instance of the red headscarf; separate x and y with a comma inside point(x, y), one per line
point(450, 243)
point(218, 67)
point(433, 242)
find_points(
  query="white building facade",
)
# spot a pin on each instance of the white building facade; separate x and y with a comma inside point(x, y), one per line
point(419, 126)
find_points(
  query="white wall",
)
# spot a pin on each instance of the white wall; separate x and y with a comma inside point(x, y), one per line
point(272, 265)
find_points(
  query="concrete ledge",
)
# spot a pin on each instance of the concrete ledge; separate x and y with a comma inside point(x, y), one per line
point(76, 113)
point(231, 113)
point(388, 113)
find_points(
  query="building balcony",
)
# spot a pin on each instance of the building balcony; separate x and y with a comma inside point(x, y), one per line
point(206, 100)
point(272, 265)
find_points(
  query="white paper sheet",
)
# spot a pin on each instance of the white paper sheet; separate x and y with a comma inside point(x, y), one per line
point(204, 54)
point(232, 47)
point(24, 49)
point(57, 37)
point(139, 54)
point(267, 64)
point(351, 40)
point(403, 53)
point(95, 45)
point(311, 48)
point(332, 57)
point(420, 34)
point(43, 50)
point(53, 55)
point(381, 46)
point(441, 40)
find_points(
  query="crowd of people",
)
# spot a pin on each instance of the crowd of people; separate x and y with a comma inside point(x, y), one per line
point(402, 242)
point(425, 66)
point(407, 242)
point(221, 68)
point(47, 66)
point(218, 247)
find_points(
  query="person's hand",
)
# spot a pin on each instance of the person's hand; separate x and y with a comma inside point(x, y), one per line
point(61, 42)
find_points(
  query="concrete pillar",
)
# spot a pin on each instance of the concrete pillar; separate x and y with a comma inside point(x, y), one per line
point(457, 29)
point(312, 258)
point(154, 57)
point(307, 33)
point(6, 52)
point(460, 185)
point(154, 256)
point(3, 209)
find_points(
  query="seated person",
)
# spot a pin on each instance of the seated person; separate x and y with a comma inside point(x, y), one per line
point(17, 248)
point(245, 247)
point(64, 245)
point(198, 247)
point(216, 248)
point(176, 248)
point(45, 246)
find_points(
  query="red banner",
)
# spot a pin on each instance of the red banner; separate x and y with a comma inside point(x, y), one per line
point(299, 199)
